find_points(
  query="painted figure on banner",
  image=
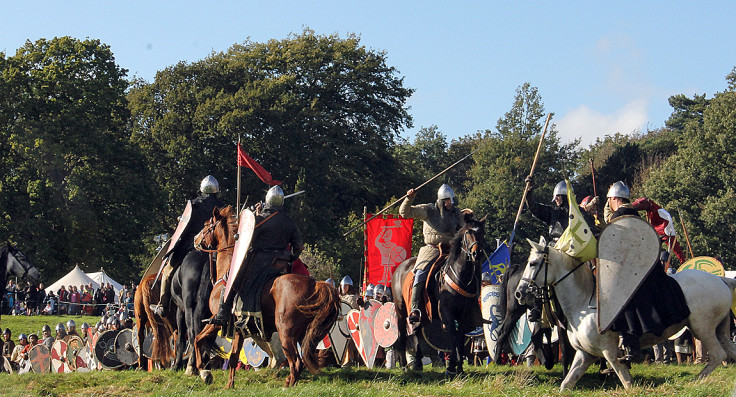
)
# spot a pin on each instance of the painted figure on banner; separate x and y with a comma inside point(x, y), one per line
point(391, 253)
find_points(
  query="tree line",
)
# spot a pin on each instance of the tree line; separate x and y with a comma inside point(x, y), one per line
point(95, 165)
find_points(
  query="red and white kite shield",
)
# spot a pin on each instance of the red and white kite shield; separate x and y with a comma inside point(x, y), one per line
point(240, 251)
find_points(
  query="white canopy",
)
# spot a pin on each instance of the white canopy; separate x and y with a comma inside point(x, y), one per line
point(76, 277)
point(102, 278)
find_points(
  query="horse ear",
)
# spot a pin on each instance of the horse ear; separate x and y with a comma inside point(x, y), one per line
point(483, 220)
point(542, 241)
point(533, 244)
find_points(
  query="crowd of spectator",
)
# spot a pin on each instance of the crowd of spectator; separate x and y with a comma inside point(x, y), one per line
point(30, 299)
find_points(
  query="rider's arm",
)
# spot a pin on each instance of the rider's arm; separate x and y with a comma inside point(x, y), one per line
point(412, 211)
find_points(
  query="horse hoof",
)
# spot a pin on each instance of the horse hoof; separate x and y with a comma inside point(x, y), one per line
point(206, 376)
point(189, 371)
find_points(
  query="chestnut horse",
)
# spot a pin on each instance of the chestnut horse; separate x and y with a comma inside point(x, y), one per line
point(299, 308)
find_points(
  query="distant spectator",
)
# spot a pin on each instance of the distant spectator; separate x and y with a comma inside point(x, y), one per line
point(74, 299)
point(8, 344)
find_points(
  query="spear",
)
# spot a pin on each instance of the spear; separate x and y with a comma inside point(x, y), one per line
point(686, 237)
point(416, 188)
point(528, 181)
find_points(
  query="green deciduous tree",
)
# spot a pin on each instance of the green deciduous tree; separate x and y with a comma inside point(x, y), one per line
point(73, 189)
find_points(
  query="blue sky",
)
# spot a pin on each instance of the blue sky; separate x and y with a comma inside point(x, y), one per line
point(601, 67)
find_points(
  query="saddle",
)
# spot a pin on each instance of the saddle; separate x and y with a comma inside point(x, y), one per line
point(428, 302)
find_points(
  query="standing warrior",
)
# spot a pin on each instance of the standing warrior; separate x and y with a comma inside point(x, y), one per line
point(441, 221)
point(202, 208)
point(275, 232)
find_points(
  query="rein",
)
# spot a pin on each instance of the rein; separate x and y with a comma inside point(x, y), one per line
point(543, 292)
point(472, 257)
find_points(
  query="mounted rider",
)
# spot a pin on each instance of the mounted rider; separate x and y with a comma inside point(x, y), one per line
point(442, 219)
point(276, 240)
point(657, 303)
point(201, 211)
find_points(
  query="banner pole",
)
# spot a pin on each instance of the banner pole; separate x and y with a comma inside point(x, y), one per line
point(237, 206)
point(364, 268)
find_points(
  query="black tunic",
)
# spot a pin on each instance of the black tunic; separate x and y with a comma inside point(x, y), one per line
point(202, 208)
point(656, 305)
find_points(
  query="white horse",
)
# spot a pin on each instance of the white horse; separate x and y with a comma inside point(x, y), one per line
point(709, 297)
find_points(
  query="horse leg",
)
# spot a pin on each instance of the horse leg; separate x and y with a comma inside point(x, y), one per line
point(288, 343)
point(580, 364)
point(724, 337)
point(716, 353)
point(611, 354)
point(181, 340)
point(234, 357)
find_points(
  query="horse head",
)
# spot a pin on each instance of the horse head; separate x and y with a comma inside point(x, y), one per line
point(17, 265)
point(528, 288)
point(217, 231)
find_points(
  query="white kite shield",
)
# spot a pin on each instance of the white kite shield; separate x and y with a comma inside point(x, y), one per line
point(628, 249)
point(245, 236)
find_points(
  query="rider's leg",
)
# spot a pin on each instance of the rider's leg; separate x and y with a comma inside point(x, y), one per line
point(416, 294)
point(165, 294)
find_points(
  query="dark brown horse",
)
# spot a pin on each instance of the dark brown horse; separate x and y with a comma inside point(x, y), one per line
point(454, 296)
point(297, 307)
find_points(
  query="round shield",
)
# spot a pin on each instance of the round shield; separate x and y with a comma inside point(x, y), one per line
point(253, 353)
point(73, 346)
point(124, 349)
point(136, 344)
point(40, 358)
point(58, 357)
point(104, 350)
point(85, 362)
point(706, 264)
point(147, 345)
point(385, 325)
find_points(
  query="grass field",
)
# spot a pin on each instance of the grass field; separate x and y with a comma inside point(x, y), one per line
point(31, 324)
point(650, 380)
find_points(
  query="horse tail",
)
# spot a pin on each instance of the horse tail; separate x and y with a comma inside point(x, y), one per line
point(161, 328)
point(323, 307)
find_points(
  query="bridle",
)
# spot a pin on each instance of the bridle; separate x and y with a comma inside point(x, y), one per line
point(471, 250)
point(213, 252)
point(543, 292)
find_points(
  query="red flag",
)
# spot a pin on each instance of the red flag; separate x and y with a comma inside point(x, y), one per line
point(660, 224)
point(246, 161)
point(388, 243)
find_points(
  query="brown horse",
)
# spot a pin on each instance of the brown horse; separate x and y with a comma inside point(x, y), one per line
point(297, 307)
point(162, 353)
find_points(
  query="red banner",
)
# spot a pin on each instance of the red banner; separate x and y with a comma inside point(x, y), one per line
point(388, 243)
point(246, 161)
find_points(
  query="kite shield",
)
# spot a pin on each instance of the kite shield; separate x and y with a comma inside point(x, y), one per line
point(628, 249)
point(245, 235)
point(40, 358)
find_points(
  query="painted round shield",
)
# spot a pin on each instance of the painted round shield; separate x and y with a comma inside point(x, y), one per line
point(73, 346)
point(58, 357)
point(104, 350)
point(706, 264)
point(124, 349)
point(253, 353)
point(385, 325)
point(40, 358)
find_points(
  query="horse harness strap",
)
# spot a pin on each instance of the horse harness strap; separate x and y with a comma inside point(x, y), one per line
point(456, 287)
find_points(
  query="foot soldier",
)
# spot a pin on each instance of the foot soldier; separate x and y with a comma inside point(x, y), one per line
point(189, 226)
point(441, 221)
point(274, 233)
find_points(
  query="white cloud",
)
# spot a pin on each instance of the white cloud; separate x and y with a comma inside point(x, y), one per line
point(589, 124)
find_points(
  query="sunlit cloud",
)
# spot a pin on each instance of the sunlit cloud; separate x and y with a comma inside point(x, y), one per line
point(588, 124)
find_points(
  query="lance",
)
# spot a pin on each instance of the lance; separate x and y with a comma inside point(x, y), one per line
point(528, 182)
point(416, 188)
point(237, 203)
point(592, 173)
point(686, 237)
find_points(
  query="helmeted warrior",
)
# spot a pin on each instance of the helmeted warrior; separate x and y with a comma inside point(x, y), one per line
point(61, 332)
point(658, 302)
point(275, 239)
point(370, 291)
point(348, 293)
point(84, 328)
point(442, 219)
point(330, 281)
point(48, 339)
point(202, 208)
point(71, 328)
point(554, 216)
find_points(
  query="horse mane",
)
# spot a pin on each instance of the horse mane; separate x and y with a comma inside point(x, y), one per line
point(584, 274)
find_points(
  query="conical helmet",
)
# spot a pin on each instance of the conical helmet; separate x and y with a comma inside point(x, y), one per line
point(560, 189)
point(275, 196)
point(209, 185)
point(620, 190)
point(346, 281)
point(445, 192)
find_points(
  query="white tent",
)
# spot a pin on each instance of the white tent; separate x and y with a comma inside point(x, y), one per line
point(102, 278)
point(76, 277)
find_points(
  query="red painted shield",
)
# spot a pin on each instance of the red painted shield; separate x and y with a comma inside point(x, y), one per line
point(385, 325)
point(183, 222)
point(58, 357)
point(370, 347)
point(245, 236)
point(40, 358)
point(353, 326)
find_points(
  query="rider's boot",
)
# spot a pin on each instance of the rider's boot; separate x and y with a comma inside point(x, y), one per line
point(223, 313)
point(415, 316)
point(163, 302)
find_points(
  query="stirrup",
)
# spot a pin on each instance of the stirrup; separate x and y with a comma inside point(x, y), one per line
point(157, 309)
point(415, 316)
